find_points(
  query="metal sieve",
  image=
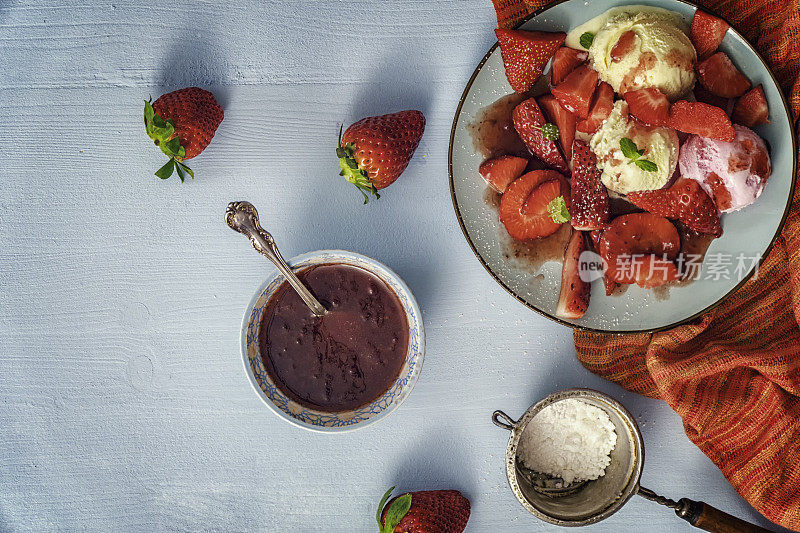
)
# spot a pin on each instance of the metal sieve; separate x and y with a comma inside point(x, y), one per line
point(589, 502)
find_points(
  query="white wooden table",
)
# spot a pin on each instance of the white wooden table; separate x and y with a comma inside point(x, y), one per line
point(123, 402)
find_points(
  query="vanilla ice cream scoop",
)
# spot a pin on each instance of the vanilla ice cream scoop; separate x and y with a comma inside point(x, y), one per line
point(638, 49)
point(733, 173)
point(620, 174)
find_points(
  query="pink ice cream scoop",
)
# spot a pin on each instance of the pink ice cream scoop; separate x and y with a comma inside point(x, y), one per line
point(733, 173)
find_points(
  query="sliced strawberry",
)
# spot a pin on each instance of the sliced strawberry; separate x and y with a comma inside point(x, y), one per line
point(609, 284)
point(639, 248)
point(565, 61)
point(528, 121)
point(751, 109)
point(707, 33)
point(648, 106)
point(721, 77)
point(531, 193)
point(602, 105)
point(562, 118)
point(701, 119)
point(590, 207)
point(525, 53)
point(499, 172)
point(574, 298)
point(576, 91)
point(701, 94)
point(685, 201)
point(719, 191)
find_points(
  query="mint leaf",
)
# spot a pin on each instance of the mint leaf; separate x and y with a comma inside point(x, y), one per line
point(587, 39)
point(647, 166)
point(629, 148)
point(558, 211)
point(396, 512)
point(167, 170)
point(385, 495)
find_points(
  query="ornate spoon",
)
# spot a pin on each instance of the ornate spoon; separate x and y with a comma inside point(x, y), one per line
point(243, 217)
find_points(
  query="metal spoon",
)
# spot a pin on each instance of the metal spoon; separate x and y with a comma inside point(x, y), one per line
point(243, 217)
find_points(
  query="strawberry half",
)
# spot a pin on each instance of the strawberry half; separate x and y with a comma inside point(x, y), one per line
point(525, 53)
point(529, 121)
point(721, 77)
point(602, 104)
point(751, 109)
point(576, 91)
point(609, 284)
point(707, 33)
point(573, 301)
point(500, 171)
point(686, 201)
point(563, 119)
point(523, 207)
point(590, 206)
point(182, 123)
point(701, 119)
point(425, 511)
point(649, 106)
point(639, 248)
point(565, 61)
point(374, 151)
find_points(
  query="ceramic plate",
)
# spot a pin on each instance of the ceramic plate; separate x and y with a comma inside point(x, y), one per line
point(748, 234)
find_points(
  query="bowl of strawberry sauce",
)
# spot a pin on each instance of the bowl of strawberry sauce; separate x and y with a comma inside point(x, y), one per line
point(344, 370)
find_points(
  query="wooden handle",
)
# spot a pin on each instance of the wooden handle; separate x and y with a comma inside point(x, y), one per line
point(704, 516)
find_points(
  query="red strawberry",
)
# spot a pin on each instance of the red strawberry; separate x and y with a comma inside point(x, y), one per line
point(701, 94)
point(701, 119)
point(374, 151)
point(525, 53)
point(602, 105)
point(639, 248)
point(648, 106)
point(523, 207)
point(609, 284)
point(528, 121)
point(499, 172)
point(574, 298)
point(564, 62)
point(576, 91)
point(707, 33)
point(563, 119)
point(751, 109)
point(182, 123)
point(686, 201)
point(590, 207)
point(425, 511)
point(721, 77)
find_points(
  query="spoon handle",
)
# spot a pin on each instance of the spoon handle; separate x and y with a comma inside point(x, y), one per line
point(243, 217)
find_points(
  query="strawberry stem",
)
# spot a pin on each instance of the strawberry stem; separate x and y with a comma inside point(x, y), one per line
point(352, 172)
point(162, 132)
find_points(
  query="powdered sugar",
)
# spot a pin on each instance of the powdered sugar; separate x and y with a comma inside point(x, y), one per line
point(569, 439)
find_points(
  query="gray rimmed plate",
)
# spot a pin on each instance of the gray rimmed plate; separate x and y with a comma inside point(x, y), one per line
point(748, 234)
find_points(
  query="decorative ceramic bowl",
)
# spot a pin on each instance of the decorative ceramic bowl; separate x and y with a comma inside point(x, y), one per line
point(318, 420)
point(748, 234)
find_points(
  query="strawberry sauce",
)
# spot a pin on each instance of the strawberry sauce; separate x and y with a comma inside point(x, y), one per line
point(341, 361)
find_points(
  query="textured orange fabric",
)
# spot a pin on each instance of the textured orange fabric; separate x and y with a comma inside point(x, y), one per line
point(734, 375)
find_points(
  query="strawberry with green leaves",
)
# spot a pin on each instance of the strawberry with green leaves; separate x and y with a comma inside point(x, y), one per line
point(427, 511)
point(181, 124)
point(374, 151)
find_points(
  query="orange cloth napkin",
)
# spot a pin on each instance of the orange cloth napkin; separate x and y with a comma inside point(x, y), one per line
point(733, 375)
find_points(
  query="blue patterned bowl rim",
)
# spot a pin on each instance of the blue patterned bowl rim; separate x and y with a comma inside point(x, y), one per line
point(317, 420)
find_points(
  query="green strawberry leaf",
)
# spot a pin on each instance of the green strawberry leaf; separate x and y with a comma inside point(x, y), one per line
point(167, 170)
point(629, 148)
point(181, 175)
point(587, 39)
point(396, 512)
point(185, 168)
point(558, 211)
point(647, 166)
point(386, 496)
point(348, 167)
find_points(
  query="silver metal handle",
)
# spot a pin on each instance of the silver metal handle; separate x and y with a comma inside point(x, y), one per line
point(243, 217)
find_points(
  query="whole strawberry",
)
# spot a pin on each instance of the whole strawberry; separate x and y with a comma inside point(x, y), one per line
point(374, 151)
point(182, 123)
point(427, 511)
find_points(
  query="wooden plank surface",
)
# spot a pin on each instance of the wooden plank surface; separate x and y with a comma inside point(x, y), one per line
point(123, 402)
